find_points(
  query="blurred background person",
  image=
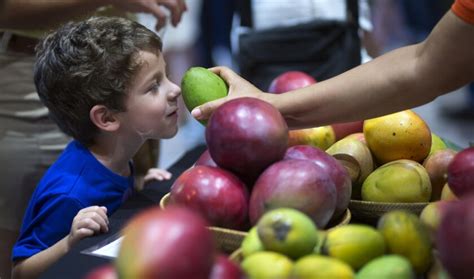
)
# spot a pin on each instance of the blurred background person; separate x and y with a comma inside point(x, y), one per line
point(321, 38)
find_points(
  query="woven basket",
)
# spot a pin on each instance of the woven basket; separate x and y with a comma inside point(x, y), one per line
point(229, 240)
point(370, 212)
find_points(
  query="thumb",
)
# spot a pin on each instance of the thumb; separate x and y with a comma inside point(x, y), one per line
point(205, 111)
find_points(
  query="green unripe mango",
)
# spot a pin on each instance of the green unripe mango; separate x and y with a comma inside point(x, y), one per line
point(267, 265)
point(354, 244)
point(287, 231)
point(251, 243)
point(398, 181)
point(321, 267)
point(387, 267)
point(199, 86)
point(405, 235)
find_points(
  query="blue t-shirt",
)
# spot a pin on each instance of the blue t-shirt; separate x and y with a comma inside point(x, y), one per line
point(75, 181)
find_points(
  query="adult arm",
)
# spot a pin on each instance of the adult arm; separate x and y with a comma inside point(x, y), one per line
point(88, 221)
point(46, 13)
point(401, 79)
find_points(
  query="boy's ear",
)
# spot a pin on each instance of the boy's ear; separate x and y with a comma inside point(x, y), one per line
point(103, 118)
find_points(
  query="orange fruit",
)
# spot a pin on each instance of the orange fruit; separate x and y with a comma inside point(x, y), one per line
point(401, 135)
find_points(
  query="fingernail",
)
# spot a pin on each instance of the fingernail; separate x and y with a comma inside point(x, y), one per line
point(196, 113)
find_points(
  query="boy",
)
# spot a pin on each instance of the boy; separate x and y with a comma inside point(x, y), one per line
point(104, 83)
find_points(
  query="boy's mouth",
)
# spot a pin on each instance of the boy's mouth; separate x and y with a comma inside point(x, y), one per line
point(173, 112)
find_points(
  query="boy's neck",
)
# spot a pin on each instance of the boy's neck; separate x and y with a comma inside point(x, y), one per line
point(114, 156)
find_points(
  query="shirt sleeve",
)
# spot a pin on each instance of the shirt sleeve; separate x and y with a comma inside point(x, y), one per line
point(464, 9)
point(51, 224)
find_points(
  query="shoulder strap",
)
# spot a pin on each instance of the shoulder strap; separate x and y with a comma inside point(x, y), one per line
point(353, 12)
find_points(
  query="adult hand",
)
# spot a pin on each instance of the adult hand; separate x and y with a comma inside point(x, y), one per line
point(155, 7)
point(238, 88)
point(88, 221)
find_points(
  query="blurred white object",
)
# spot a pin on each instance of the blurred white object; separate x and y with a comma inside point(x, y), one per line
point(182, 36)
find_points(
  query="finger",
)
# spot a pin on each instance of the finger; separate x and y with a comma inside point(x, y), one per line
point(153, 176)
point(175, 10)
point(204, 111)
point(84, 232)
point(166, 174)
point(184, 7)
point(227, 74)
point(88, 223)
point(88, 209)
point(160, 16)
point(102, 210)
point(100, 220)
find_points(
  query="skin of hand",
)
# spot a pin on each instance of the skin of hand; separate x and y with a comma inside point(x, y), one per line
point(157, 174)
point(404, 78)
point(36, 14)
point(238, 88)
point(154, 7)
point(88, 221)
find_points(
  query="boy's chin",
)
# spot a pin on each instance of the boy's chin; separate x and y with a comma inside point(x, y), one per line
point(170, 134)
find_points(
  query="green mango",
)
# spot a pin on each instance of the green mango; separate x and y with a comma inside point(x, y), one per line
point(288, 231)
point(398, 181)
point(267, 265)
point(354, 244)
point(199, 86)
point(387, 267)
point(321, 267)
point(251, 243)
point(406, 235)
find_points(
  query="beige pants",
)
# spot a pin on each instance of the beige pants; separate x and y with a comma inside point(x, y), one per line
point(29, 144)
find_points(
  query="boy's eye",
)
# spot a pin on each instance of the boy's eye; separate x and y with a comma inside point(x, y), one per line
point(154, 88)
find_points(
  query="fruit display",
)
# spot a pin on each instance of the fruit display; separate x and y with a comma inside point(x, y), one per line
point(285, 206)
point(283, 238)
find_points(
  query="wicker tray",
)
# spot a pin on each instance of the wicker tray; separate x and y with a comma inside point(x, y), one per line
point(229, 240)
point(370, 212)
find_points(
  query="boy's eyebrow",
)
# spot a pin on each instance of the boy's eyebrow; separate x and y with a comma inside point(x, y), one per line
point(156, 76)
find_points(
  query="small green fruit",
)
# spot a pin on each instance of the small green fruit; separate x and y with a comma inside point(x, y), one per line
point(321, 267)
point(251, 243)
point(267, 265)
point(390, 267)
point(287, 231)
point(199, 86)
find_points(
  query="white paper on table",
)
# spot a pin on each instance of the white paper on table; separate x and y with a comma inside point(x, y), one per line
point(108, 248)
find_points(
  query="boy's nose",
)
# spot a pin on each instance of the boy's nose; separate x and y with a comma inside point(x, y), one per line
point(175, 91)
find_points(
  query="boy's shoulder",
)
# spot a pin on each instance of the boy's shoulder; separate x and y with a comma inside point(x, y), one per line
point(60, 177)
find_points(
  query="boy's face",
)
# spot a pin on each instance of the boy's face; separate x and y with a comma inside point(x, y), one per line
point(151, 105)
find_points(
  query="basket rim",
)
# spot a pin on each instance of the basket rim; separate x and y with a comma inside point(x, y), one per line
point(361, 202)
point(344, 220)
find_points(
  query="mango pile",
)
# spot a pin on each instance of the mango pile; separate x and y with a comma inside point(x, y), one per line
point(286, 244)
